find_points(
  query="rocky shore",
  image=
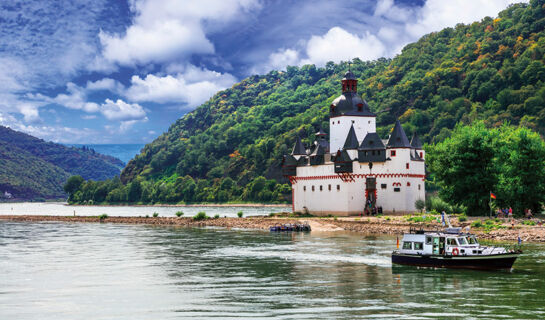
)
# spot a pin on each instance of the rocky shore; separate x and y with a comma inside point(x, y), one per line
point(510, 231)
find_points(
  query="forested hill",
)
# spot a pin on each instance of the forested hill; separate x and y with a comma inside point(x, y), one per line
point(491, 70)
point(32, 168)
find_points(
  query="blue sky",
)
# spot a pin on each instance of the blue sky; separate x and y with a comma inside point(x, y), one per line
point(102, 71)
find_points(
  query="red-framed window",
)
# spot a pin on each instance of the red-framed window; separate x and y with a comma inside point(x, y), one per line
point(407, 165)
point(393, 153)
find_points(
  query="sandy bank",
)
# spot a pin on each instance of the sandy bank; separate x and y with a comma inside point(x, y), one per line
point(373, 225)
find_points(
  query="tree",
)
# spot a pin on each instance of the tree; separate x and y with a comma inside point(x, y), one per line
point(521, 181)
point(135, 191)
point(464, 168)
point(73, 184)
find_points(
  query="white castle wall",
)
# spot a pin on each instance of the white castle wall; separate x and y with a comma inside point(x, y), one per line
point(339, 127)
point(350, 198)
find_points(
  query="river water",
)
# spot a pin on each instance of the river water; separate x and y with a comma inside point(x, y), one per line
point(110, 271)
point(62, 209)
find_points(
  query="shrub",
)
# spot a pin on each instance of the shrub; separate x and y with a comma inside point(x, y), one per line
point(217, 216)
point(179, 214)
point(147, 215)
point(462, 218)
point(419, 205)
point(476, 224)
point(335, 218)
point(200, 216)
point(529, 222)
point(103, 216)
point(155, 214)
point(240, 214)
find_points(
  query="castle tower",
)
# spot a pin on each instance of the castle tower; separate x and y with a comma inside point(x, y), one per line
point(348, 110)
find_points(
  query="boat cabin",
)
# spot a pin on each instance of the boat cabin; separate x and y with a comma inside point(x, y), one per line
point(449, 242)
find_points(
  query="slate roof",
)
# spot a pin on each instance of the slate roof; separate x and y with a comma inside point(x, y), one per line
point(343, 156)
point(289, 160)
point(371, 142)
point(398, 138)
point(298, 148)
point(349, 76)
point(415, 142)
point(351, 141)
point(320, 132)
point(347, 104)
point(318, 151)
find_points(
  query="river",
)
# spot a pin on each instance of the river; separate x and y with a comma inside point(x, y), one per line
point(62, 209)
point(110, 271)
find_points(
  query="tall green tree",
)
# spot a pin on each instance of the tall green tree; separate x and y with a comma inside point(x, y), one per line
point(464, 167)
point(521, 163)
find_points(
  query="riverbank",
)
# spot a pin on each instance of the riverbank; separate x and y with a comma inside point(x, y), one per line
point(509, 231)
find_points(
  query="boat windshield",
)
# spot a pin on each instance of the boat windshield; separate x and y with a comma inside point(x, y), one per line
point(462, 241)
point(472, 240)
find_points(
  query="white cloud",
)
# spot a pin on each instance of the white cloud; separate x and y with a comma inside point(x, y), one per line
point(105, 84)
point(400, 26)
point(76, 99)
point(192, 87)
point(120, 110)
point(338, 44)
point(165, 30)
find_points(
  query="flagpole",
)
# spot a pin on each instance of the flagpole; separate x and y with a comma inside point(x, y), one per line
point(490, 204)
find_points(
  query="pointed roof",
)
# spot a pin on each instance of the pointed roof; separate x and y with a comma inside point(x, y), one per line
point(289, 160)
point(342, 156)
point(318, 151)
point(298, 148)
point(349, 76)
point(398, 138)
point(351, 141)
point(320, 132)
point(415, 142)
point(371, 142)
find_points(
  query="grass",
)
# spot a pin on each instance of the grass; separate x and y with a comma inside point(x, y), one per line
point(103, 216)
point(462, 218)
point(200, 216)
point(488, 225)
point(421, 218)
point(529, 222)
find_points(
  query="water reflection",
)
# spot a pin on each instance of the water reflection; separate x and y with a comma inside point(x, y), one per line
point(101, 271)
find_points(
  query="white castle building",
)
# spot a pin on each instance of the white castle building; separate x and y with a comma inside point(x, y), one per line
point(356, 170)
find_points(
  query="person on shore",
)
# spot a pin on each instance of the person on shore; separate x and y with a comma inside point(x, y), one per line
point(374, 211)
point(529, 214)
point(510, 214)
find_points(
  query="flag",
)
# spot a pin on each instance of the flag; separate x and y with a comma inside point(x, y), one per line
point(492, 195)
point(443, 218)
point(519, 240)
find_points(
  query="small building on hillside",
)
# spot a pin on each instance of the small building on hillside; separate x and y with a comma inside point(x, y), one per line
point(355, 170)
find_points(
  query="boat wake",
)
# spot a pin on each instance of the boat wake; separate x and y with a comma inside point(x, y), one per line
point(370, 260)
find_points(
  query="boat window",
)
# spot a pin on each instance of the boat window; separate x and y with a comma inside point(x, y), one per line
point(418, 246)
point(428, 239)
point(462, 241)
point(407, 245)
point(451, 242)
point(472, 240)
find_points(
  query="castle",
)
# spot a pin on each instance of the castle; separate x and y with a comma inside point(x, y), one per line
point(355, 171)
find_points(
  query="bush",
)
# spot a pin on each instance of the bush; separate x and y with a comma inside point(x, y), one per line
point(155, 214)
point(462, 218)
point(419, 205)
point(200, 216)
point(529, 222)
point(477, 224)
point(179, 214)
point(147, 215)
point(217, 216)
point(240, 214)
point(103, 216)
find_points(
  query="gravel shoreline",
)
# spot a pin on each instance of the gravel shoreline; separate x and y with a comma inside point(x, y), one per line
point(372, 225)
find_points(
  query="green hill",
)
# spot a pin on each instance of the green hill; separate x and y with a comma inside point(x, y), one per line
point(225, 150)
point(32, 168)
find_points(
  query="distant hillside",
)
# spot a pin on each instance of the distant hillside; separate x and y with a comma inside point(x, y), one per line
point(33, 168)
point(491, 70)
point(123, 152)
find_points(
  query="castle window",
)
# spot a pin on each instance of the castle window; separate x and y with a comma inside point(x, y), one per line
point(338, 187)
point(378, 152)
point(408, 184)
point(383, 186)
point(312, 188)
point(397, 189)
point(321, 188)
point(304, 188)
point(418, 187)
point(393, 153)
point(421, 155)
point(373, 152)
point(329, 187)
point(338, 121)
point(407, 165)
point(352, 121)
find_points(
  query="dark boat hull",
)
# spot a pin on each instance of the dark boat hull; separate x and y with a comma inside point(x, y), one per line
point(491, 262)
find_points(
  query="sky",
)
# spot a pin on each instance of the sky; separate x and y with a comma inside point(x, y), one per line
point(118, 71)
